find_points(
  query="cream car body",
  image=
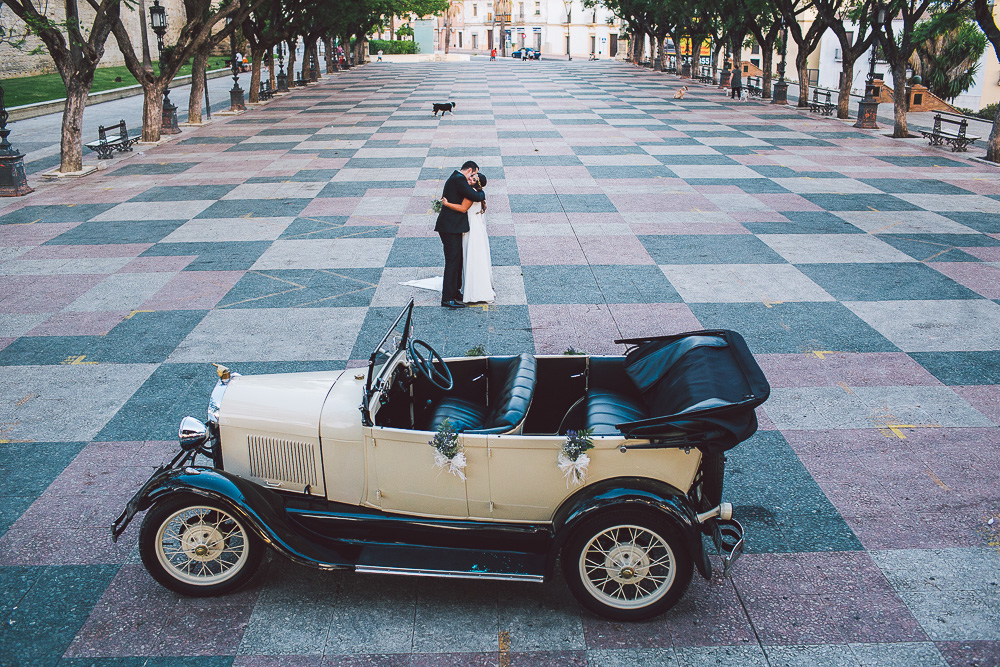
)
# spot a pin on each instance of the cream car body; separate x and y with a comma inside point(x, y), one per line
point(335, 469)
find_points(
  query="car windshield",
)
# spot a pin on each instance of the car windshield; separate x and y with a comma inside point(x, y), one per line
point(394, 340)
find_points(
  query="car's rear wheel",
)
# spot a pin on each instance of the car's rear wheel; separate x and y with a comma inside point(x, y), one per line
point(627, 566)
point(198, 547)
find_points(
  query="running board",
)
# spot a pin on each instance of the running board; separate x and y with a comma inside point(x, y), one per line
point(449, 574)
point(453, 563)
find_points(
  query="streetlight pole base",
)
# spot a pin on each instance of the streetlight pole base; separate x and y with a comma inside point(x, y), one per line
point(13, 181)
point(867, 114)
point(780, 95)
point(236, 102)
point(282, 80)
point(168, 119)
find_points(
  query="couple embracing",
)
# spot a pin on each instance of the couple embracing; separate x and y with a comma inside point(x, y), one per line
point(468, 272)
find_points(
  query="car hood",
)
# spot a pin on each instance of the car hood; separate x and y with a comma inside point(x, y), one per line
point(289, 404)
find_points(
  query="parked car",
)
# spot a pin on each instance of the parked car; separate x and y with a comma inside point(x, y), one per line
point(533, 54)
point(333, 469)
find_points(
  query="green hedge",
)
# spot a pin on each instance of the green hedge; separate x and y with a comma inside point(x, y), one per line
point(394, 47)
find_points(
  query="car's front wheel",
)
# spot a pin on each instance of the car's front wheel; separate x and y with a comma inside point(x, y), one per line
point(198, 547)
point(627, 566)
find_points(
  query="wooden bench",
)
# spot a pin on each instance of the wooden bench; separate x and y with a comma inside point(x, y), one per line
point(106, 145)
point(959, 141)
point(824, 106)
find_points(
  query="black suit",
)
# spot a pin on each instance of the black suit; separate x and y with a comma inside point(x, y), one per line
point(451, 224)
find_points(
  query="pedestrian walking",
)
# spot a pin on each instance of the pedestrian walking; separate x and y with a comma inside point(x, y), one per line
point(379, 56)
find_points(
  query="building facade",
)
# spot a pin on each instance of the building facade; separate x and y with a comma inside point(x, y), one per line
point(554, 27)
point(30, 59)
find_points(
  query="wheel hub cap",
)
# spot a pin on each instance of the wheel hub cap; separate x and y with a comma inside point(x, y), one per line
point(202, 543)
point(626, 563)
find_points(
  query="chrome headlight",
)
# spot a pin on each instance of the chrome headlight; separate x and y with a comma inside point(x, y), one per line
point(192, 433)
point(220, 389)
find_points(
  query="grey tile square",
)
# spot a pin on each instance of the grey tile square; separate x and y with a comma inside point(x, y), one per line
point(730, 283)
point(340, 253)
point(272, 334)
point(831, 248)
point(934, 325)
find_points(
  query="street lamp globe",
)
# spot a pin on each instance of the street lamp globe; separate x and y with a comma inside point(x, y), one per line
point(158, 19)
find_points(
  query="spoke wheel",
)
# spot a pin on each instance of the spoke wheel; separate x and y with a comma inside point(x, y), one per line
point(627, 566)
point(198, 547)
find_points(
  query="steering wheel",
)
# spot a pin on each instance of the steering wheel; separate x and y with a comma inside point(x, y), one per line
point(425, 365)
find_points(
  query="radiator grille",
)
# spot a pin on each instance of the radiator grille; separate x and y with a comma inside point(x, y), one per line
point(282, 460)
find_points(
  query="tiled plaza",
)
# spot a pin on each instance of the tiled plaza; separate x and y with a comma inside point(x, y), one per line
point(863, 271)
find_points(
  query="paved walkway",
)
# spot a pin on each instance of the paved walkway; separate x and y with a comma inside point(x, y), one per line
point(862, 270)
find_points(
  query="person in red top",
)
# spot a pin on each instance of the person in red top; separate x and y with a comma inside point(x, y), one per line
point(493, 54)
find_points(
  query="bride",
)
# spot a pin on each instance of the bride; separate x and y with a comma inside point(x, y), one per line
point(477, 267)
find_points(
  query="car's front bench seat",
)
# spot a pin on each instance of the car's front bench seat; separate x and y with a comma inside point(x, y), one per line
point(508, 409)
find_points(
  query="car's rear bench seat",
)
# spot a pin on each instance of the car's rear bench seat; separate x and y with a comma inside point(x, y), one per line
point(692, 373)
point(515, 379)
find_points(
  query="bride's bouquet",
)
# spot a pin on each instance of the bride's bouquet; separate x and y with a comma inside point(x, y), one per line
point(436, 205)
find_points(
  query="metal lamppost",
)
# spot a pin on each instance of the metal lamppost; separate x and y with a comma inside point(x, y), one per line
point(868, 106)
point(236, 102)
point(13, 181)
point(781, 88)
point(568, 4)
point(281, 79)
point(158, 22)
point(727, 72)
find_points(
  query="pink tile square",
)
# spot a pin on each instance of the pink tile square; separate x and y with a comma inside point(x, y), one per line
point(33, 233)
point(787, 202)
point(590, 329)
point(985, 399)
point(864, 369)
point(43, 294)
point(193, 290)
point(331, 206)
point(87, 251)
point(154, 264)
point(551, 250)
point(980, 277)
point(614, 250)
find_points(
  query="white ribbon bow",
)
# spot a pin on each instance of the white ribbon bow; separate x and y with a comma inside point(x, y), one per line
point(456, 464)
point(574, 471)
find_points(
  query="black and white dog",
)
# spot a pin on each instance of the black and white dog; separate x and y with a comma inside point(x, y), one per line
point(447, 106)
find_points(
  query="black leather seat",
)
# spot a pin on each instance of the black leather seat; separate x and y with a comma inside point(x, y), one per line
point(606, 407)
point(509, 408)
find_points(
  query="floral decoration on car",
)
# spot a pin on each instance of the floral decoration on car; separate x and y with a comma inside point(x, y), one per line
point(447, 451)
point(573, 460)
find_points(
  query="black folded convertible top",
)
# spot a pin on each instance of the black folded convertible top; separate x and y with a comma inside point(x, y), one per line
point(700, 388)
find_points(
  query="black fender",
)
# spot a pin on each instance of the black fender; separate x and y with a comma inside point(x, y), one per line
point(625, 493)
point(259, 507)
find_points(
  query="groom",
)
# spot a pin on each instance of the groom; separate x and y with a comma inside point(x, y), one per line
point(451, 225)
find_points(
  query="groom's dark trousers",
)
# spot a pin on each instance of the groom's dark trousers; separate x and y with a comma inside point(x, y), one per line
point(450, 226)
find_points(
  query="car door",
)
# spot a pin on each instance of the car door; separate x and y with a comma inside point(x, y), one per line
point(404, 477)
point(525, 481)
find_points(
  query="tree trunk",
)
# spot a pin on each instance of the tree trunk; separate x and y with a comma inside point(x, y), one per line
point(291, 61)
point(198, 64)
point(899, 100)
point(993, 142)
point(767, 66)
point(152, 112)
point(801, 67)
point(846, 79)
point(658, 65)
point(256, 57)
point(270, 69)
point(447, 30)
point(678, 56)
point(71, 143)
point(328, 41)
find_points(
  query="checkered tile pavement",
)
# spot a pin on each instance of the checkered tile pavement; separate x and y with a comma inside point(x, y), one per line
point(863, 271)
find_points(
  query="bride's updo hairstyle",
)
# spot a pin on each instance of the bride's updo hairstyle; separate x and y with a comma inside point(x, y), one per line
point(482, 182)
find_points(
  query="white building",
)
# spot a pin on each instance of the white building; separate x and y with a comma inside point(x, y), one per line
point(541, 24)
point(985, 90)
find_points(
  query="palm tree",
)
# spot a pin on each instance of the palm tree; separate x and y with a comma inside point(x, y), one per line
point(949, 47)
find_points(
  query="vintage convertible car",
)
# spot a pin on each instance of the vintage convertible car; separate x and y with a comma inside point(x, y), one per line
point(334, 470)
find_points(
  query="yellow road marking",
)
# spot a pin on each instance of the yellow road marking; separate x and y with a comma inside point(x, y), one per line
point(821, 354)
point(136, 312)
point(771, 304)
point(896, 429)
point(25, 400)
point(503, 641)
point(248, 215)
point(843, 385)
point(16, 224)
point(484, 306)
point(930, 473)
point(77, 361)
point(873, 208)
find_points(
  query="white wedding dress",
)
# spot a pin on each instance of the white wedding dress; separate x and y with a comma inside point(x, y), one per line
point(477, 267)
